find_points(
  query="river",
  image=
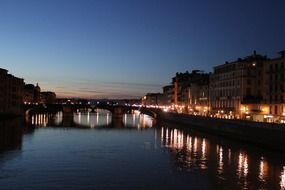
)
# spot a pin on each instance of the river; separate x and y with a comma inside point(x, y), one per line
point(94, 151)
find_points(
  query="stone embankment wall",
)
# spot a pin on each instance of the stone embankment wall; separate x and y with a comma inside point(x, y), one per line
point(265, 135)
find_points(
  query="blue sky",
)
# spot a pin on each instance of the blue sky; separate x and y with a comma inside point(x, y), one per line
point(126, 48)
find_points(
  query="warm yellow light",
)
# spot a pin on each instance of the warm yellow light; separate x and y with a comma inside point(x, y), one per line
point(243, 109)
point(265, 109)
point(282, 177)
point(198, 107)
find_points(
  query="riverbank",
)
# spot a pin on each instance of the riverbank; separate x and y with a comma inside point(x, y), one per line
point(266, 135)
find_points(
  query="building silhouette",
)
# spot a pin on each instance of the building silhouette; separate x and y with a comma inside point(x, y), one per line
point(48, 97)
point(11, 93)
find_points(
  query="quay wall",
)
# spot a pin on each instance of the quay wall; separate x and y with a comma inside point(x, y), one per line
point(266, 135)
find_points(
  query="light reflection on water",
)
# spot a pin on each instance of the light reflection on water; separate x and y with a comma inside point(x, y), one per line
point(90, 120)
point(230, 168)
point(44, 120)
point(222, 164)
point(282, 182)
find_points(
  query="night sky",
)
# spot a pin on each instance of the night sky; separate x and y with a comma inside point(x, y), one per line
point(126, 48)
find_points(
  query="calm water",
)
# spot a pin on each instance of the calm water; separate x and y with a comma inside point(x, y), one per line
point(90, 151)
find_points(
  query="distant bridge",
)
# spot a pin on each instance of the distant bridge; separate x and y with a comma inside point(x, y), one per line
point(68, 110)
point(117, 110)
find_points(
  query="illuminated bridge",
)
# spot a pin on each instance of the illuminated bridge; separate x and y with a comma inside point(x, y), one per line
point(117, 110)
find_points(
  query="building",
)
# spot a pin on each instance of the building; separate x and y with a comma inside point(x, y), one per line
point(29, 93)
point(198, 98)
point(238, 86)
point(168, 93)
point(153, 99)
point(48, 97)
point(274, 88)
point(32, 94)
point(269, 89)
point(37, 95)
point(190, 92)
point(11, 93)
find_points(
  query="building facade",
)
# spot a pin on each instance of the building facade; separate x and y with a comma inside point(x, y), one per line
point(274, 85)
point(153, 99)
point(32, 94)
point(250, 88)
point(11, 93)
point(48, 97)
point(190, 92)
point(168, 93)
point(238, 87)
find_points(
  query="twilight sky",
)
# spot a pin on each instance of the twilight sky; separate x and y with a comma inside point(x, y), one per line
point(126, 48)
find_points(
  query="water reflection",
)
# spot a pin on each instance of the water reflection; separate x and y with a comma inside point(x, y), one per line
point(282, 182)
point(10, 135)
point(225, 164)
point(137, 120)
point(263, 170)
point(44, 119)
point(228, 168)
point(92, 120)
point(100, 118)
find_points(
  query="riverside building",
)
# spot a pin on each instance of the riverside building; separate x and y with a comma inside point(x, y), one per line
point(32, 94)
point(11, 93)
point(168, 93)
point(190, 92)
point(274, 95)
point(153, 99)
point(268, 89)
point(236, 84)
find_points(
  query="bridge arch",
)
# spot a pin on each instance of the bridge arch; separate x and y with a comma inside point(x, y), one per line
point(151, 112)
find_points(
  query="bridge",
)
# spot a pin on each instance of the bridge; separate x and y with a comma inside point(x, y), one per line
point(68, 110)
point(117, 111)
